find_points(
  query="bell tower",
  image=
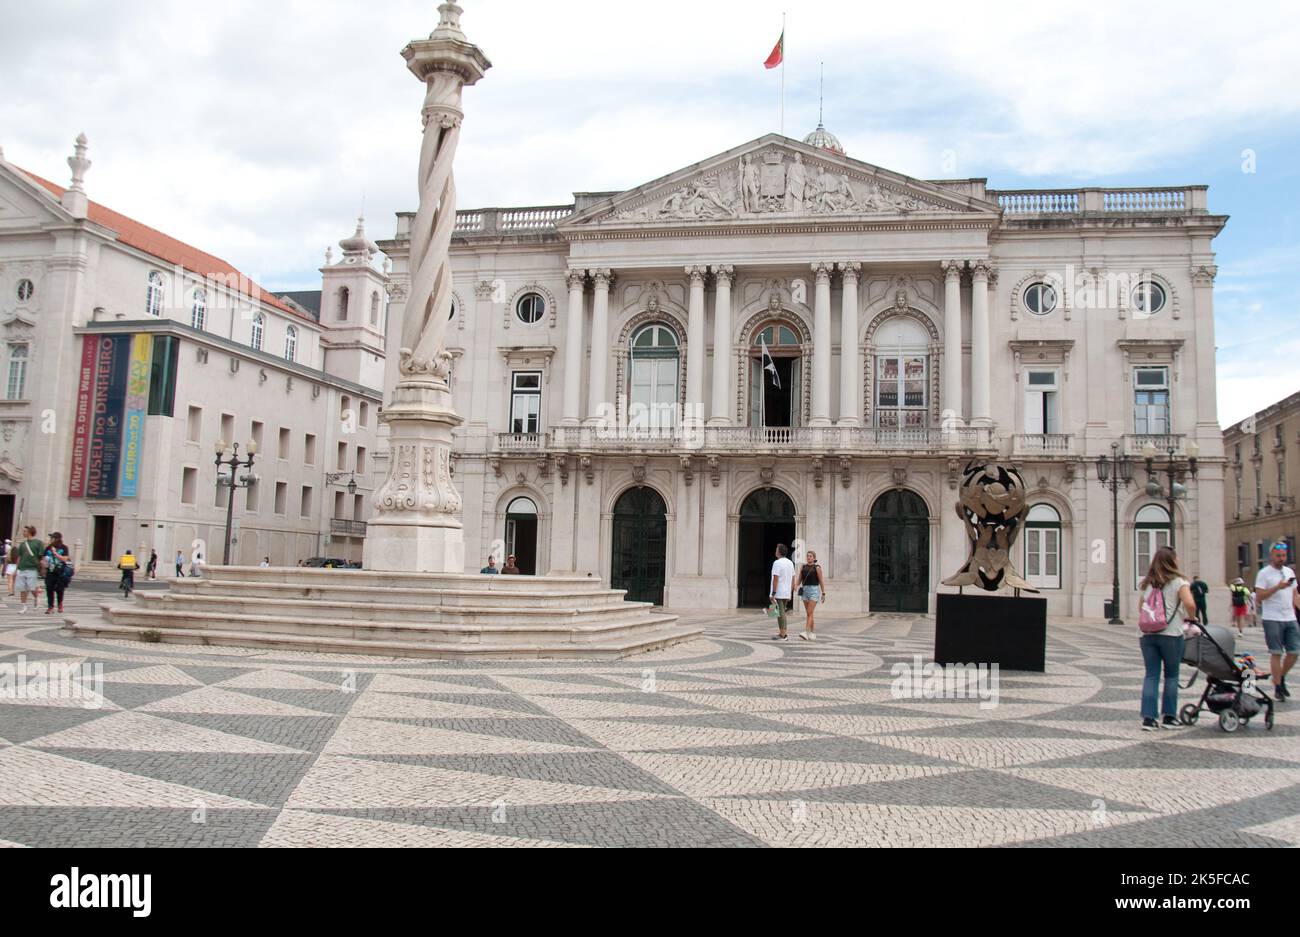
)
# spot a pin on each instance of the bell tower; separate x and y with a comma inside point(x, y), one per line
point(353, 307)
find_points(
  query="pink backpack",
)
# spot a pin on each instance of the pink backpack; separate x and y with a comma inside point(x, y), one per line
point(1152, 617)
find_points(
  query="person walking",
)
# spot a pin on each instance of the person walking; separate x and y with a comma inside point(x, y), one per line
point(151, 568)
point(780, 593)
point(1276, 596)
point(812, 589)
point(11, 564)
point(1199, 592)
point(28, 563)
point(180, 564)
point(1165, 593)
point(1241, 600)
point(58, 571)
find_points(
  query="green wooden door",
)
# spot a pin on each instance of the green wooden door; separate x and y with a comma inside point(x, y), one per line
point(640, 545)
point(899, 558)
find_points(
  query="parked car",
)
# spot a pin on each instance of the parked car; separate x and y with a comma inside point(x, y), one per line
point(329, 562)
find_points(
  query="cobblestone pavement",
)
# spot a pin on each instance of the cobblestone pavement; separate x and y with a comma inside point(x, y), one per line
point(731, 740)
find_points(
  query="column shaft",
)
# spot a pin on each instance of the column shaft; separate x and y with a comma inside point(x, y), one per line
point(821, 402)
point(850, 360)
point(951, 406)
point(597, 399)
point(720, 413)
point(573, 350)
point(979, 344)
point(695, 350)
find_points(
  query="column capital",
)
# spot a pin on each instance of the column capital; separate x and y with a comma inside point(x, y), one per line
point(822, 270)
point(982, 270)
point(952, 268)
point(601, 277)
point(575, 278)
point(1204, 274)
point(697, 273)
point(849, 270)
point(723, 272)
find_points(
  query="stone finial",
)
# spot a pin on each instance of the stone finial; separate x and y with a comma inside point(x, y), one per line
point(329, 255)
point(79, 164)
point(359, 248)
point(388, 265)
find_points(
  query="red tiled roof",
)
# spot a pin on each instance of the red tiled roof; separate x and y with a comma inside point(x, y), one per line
point(154, 242)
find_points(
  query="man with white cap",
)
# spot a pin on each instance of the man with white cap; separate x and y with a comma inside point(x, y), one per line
point(1276, 592)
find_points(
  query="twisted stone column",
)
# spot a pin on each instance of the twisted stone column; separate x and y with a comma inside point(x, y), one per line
point(416, 526)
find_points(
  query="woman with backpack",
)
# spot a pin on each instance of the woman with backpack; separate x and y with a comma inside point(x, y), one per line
point(58, 571)
point(1166, 604)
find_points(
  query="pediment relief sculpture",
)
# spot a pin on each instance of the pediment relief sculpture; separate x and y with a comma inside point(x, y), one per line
point(775, 183)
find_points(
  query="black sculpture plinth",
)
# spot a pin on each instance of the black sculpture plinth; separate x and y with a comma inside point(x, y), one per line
point(991, 629)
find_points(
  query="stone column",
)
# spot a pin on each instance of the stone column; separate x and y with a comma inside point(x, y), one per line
point(821, 402)
point(850, 360)
point(596, 396)
point(721, 412)
point(573, 350)
point(979, 344)
point(416, 524)
point(951, 405)
point(695, 352)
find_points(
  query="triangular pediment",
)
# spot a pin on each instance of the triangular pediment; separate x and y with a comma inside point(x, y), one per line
point(24, 203)
point(776, 179)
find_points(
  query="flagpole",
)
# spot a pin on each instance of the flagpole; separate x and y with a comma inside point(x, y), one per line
point(783, 74)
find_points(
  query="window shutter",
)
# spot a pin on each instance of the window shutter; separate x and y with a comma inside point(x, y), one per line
point(1034, 412)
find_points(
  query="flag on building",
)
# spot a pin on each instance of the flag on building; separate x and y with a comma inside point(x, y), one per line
point(778, 53)
point(769, 365)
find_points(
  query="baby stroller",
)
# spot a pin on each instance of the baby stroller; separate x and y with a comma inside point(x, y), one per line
point(1231, 692)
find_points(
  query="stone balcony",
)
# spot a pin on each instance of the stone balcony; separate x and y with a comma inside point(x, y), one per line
point(750, 440)
point(349, 528)
point(1165, 200)
point(1030, 445)
point(1134, 443)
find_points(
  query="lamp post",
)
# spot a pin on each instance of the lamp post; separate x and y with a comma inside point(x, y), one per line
point(232, 481)
point(1113, 471)
point(1173, 468)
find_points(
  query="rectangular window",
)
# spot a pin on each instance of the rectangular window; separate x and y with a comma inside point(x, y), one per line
point(338, 504)
point(284, 443)
point(1151, 401)
point(361, 460)
point(309, 449)
point(162, 375)
point(222, 493)
point(343, 456)
point(228, 428)
point(358, 507)
point(1042, 403)
point(252, 502)
point(364, 418)
point(257, 435)
point(306, 501)
point(189, 485)
point(1238, 509)
point(17, 384)
point(281, 497)
point(1243, 555)
point(194, 425)
point(525, 401)
point(901, 391)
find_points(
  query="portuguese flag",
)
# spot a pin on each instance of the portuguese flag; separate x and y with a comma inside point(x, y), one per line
point(778, 53)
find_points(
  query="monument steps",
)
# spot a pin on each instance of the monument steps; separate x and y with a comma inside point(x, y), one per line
point(454, 616)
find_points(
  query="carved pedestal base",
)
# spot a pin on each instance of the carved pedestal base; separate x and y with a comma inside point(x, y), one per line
point(416, 526)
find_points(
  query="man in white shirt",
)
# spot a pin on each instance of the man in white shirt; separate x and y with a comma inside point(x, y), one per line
point(1275, 590)
point(782, 588)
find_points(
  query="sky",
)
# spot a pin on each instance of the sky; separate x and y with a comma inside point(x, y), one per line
point(258, 131)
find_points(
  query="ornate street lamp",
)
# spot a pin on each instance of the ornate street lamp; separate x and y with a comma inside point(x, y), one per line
point(1173, 468)
point(232, 480)
point(1113, 471)
point(333, 478)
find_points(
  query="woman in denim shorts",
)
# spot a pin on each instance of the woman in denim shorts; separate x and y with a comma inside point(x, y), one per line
point(812, 588)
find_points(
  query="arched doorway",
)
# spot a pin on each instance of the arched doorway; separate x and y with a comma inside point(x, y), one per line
point(521, 534)
point(898, 563)
point(766, 519)
point(640, 545)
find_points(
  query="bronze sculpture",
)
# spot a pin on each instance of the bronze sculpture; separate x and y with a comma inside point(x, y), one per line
point(992, 507)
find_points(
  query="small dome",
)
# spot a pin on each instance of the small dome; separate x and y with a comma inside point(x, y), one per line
point(359, 245)
point(821, 137)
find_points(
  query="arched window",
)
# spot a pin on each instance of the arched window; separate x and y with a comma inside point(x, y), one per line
point(259, 327)
point(1150, 533)
point(344, 296)
point(374, 308)
point(775, 375)
point(291, 343)
point(902, 374)
point(652, 392)
point(154, 297)
point(199, 310)
point(1043, 547)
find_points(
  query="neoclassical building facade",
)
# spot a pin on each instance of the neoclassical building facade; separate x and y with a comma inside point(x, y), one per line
point(785, 344)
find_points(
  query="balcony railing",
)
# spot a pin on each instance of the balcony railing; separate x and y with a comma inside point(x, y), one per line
point(510, 220)
point(522, 442)
point(1049, 443)
point(339, 525)
point(774, 439)
point(1152, 200)
point(1134, 443)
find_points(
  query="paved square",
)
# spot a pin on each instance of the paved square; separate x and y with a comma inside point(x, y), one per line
point(733, 740)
